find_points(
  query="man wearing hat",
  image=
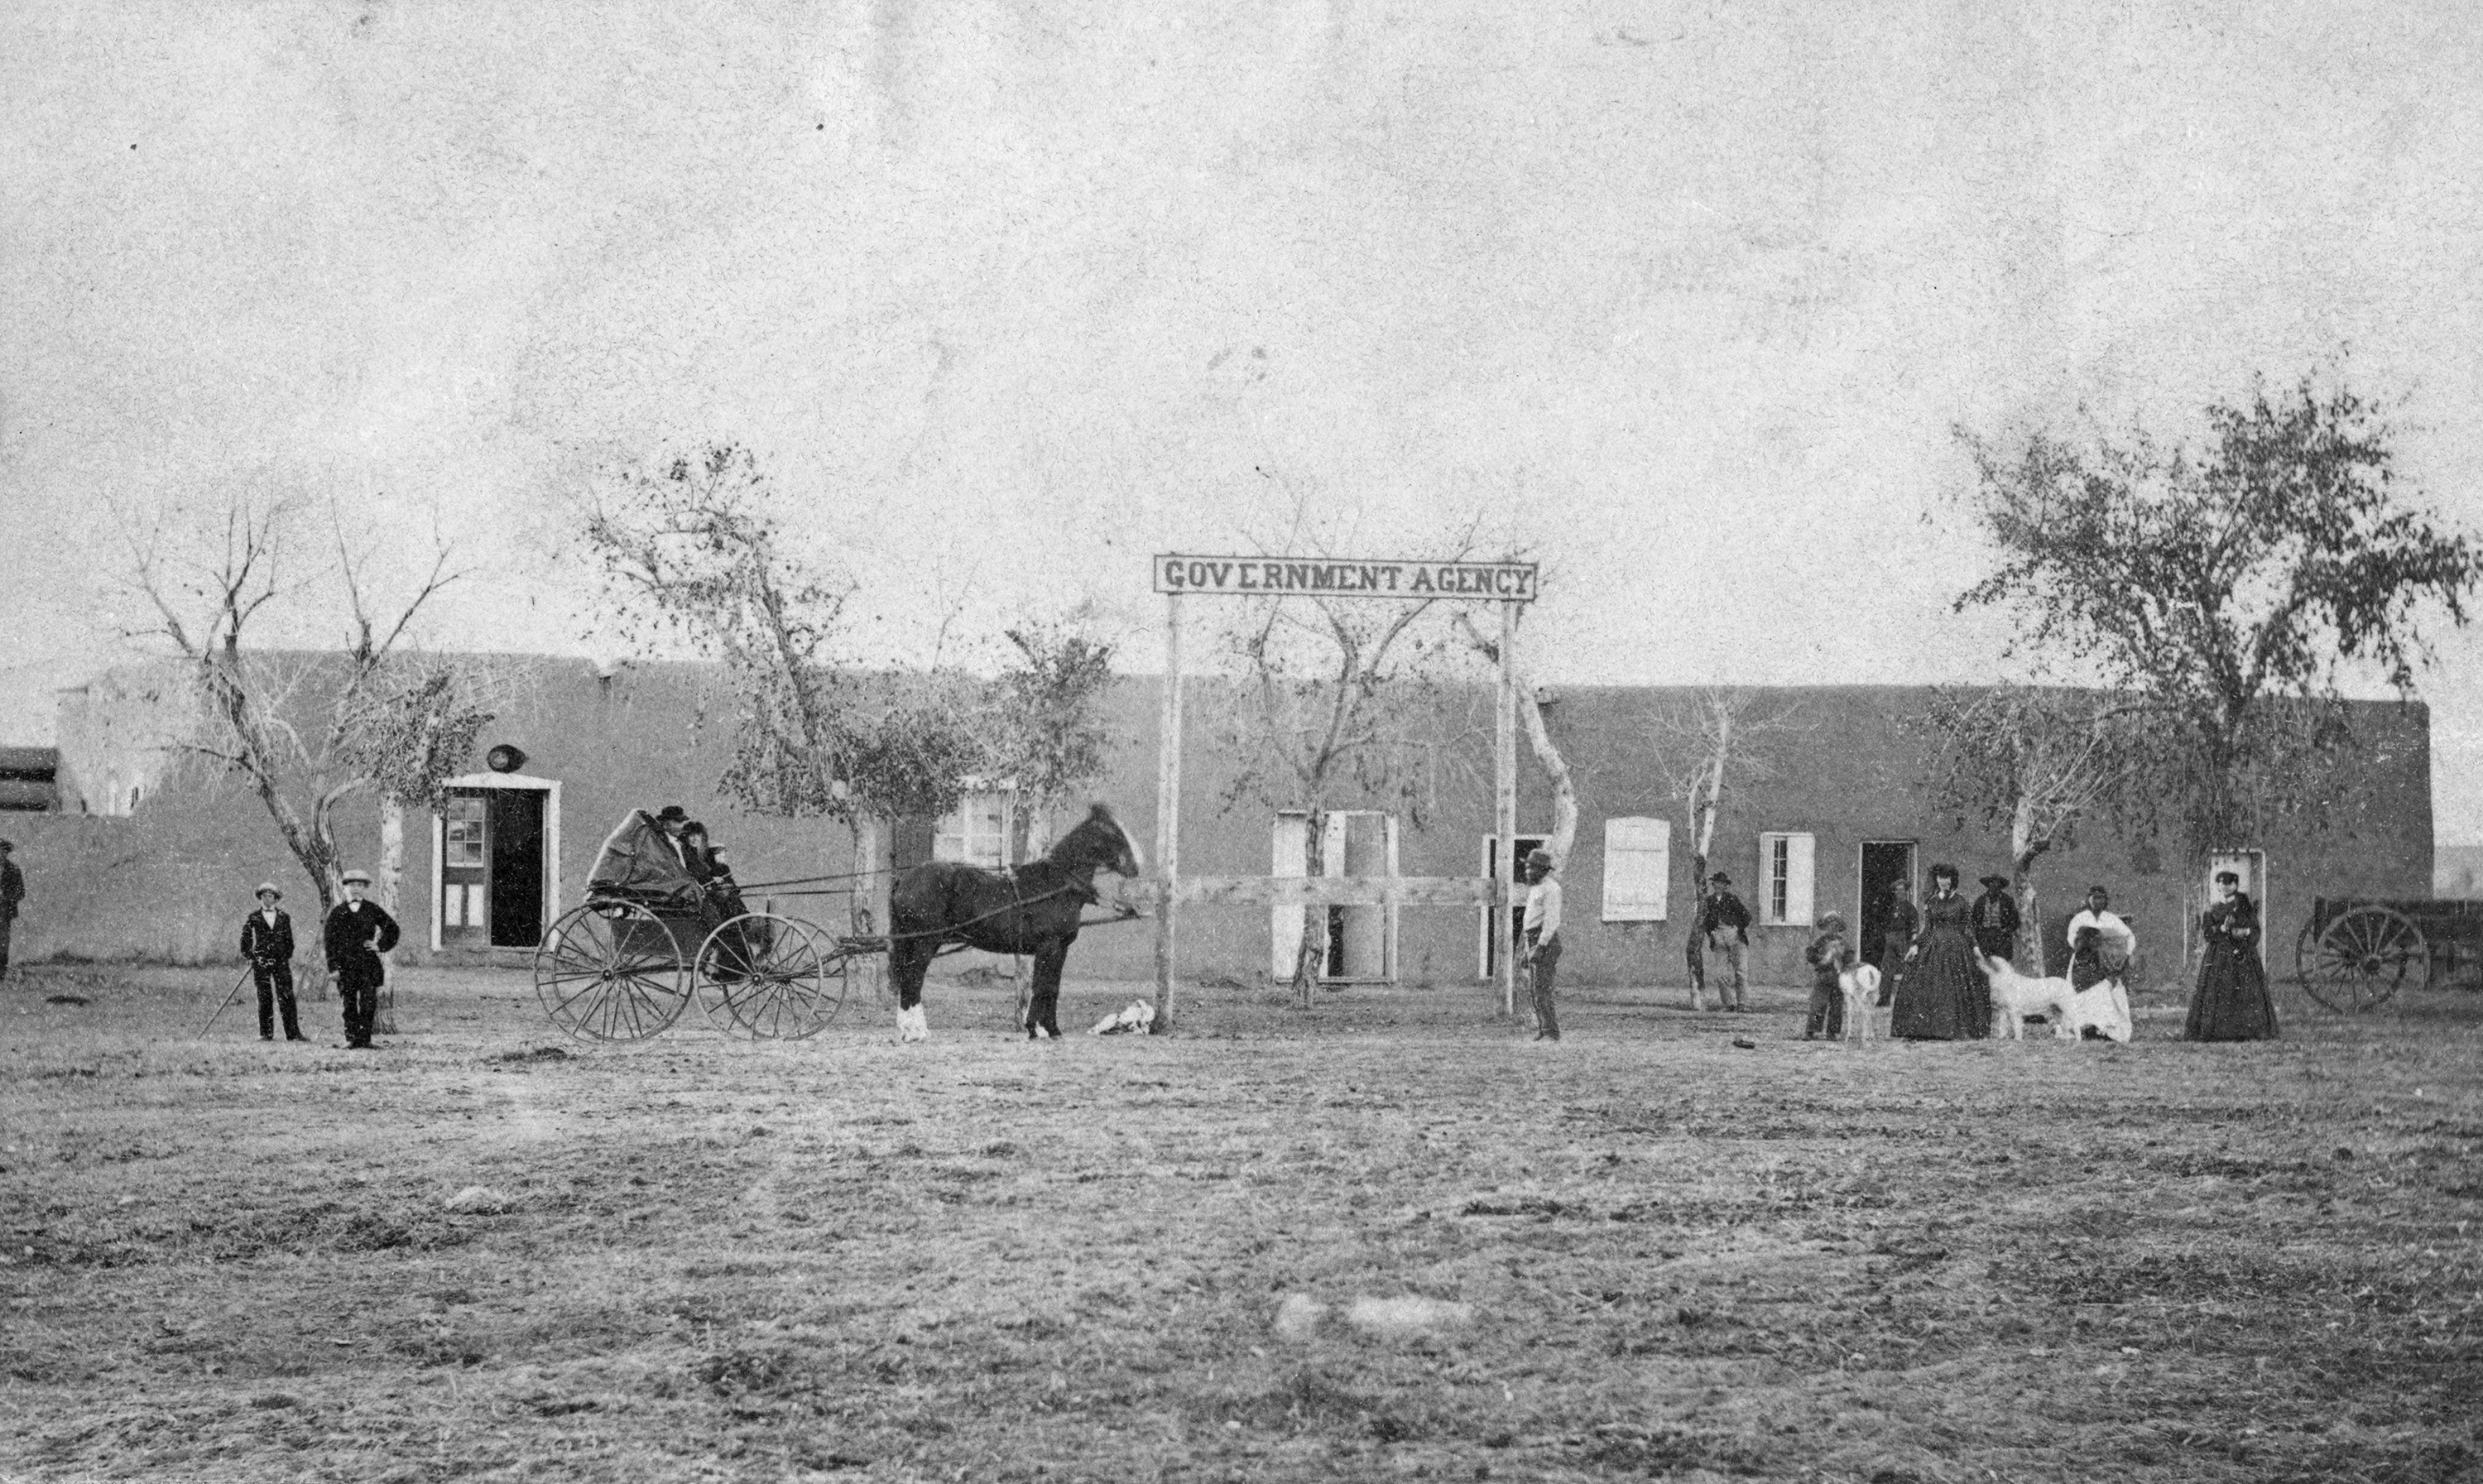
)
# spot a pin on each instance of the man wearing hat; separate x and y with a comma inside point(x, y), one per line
point(1541, 953)
point(13, 891)
point(1995, 920)
point(357, 932)
point(267, 944)
point(1724, 912)
point(674, 821)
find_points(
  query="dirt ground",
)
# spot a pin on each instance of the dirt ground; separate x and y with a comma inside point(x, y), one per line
point(1657, 1253)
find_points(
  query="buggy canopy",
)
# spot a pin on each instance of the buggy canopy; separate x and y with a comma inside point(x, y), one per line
point(638, 864)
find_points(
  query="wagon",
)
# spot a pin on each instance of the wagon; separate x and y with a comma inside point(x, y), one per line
point(650, 939)
point(2356, 952)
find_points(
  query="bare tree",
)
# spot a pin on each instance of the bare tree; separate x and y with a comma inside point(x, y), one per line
point(1340, 699)
point(1704, 750)
point(1533, 712)
point(2040, 761)
point(260, 719)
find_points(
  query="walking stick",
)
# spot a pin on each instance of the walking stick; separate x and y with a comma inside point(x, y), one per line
point(235, 993)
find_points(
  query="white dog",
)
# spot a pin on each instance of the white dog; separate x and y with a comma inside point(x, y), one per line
point(1861, 987)
point(2103, 1004)
point(2014, 996)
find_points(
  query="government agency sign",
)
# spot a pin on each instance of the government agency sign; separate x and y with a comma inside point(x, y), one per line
point(1344, 577)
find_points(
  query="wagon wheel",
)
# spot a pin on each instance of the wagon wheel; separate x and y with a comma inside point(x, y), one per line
point(2361, 959)
point(775, 978)
point(611, 971)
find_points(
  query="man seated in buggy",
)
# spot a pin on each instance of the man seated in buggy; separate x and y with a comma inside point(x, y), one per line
point(665, 863)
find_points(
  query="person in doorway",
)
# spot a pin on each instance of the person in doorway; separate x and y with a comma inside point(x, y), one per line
point(2100, 943)
point(1995, 921)
point(2232, 1003)
point(1945, 997)
point(13, 892)
point(355, 934)
point(1540, 955)
point(1829, 955)
point(1723, 914)
point(267, 946)
point(1897, 931)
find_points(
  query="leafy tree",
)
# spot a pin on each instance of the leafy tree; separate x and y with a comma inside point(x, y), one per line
point(2227, 588)
point(694, 550)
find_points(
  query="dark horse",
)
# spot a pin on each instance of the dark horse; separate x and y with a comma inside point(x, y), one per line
point(1032, 909)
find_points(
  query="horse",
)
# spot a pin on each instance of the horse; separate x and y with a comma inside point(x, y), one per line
point(1032, 909)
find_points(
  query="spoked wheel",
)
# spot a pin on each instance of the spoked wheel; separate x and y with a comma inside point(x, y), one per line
point(775, 978)
point(611, 971)
point(2360, 960)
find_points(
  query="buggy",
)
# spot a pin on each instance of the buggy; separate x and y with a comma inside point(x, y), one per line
point(651, 938)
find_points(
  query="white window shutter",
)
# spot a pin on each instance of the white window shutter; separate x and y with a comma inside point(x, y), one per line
point(1798, 855)
point(1638, 870)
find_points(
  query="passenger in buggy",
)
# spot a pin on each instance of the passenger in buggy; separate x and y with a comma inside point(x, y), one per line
point(706, 864)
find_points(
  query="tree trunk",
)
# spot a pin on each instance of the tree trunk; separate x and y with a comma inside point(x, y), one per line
point(1311, 955)
point(391, 885)
point(2024, 848)
point(863, 900)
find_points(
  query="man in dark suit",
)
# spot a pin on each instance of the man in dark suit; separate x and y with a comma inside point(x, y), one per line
point(13, 891)
point(267, 942)
point(357, 932)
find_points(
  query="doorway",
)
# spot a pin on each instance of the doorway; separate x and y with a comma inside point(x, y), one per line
point(1359, 942)
point(1488, 956)
point(1885, 864)
point(494, 861)
point(2250, 866)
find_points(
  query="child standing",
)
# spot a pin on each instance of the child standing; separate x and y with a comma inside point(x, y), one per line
point(1829, 955)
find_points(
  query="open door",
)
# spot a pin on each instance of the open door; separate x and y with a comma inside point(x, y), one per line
point(1488, 956)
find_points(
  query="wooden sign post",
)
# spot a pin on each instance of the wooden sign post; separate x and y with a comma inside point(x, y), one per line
point(1509, 584)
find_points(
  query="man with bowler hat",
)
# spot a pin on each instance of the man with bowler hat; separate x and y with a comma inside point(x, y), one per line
point(13, 891)
point(357, 932)
point(267, 943)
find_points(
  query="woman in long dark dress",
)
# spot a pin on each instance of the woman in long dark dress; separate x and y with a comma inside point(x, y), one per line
point(2232, 1002)
point(1944, 996)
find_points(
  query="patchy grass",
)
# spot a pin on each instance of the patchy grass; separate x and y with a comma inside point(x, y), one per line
point(983, 1259)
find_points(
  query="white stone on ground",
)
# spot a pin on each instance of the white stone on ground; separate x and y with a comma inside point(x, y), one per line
point(480, 1201)
point(1407, 1318)
point(1299, 1316)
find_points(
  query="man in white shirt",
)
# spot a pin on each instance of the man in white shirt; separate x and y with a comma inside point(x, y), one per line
point(2094, 960)
point(1542, 954)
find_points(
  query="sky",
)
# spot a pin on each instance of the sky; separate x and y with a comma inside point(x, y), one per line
point(1689, 299)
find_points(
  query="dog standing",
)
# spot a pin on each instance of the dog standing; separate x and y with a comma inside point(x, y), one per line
point(1860, 986)
point(2014, 996)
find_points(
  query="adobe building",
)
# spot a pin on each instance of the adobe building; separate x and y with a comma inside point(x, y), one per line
point(149, 857)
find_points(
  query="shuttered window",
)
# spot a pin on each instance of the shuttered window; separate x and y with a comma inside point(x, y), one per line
point(1638, 867)
point(1785, 880)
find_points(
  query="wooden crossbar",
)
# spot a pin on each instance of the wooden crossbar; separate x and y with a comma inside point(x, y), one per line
point(1323, 890)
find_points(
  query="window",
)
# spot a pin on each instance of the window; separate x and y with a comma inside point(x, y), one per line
point(1785, 880)
point(976, 833)
point(1638, 870)
point(462, 819)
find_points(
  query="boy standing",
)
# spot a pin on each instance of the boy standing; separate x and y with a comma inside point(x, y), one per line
point(267, 942)
point(1829, 956)
point(1542, 954)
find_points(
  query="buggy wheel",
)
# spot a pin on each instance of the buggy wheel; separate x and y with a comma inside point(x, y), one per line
point(611, 971)
point(775, 978)
point(2360, 960)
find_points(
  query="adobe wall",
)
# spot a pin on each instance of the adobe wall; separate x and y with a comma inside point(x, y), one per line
point(172, 880)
